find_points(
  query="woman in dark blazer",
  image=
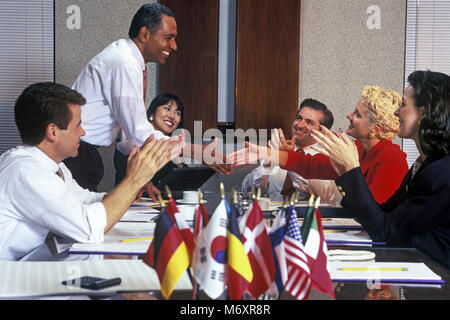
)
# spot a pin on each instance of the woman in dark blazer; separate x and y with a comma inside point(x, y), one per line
point(418, 214)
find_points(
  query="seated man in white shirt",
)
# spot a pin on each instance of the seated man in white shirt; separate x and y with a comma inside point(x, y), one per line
point(37, 192)
point(114, 85)
point(277, 183)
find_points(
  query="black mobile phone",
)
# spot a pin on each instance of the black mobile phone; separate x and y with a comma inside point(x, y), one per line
point(92, 283)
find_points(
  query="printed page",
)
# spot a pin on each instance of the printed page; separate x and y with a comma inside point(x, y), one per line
point(34, 279)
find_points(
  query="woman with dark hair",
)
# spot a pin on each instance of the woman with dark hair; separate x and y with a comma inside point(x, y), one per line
point(166, 114)
point(418, 214)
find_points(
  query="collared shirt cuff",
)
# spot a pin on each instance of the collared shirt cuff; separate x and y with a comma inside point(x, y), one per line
point(96, 215)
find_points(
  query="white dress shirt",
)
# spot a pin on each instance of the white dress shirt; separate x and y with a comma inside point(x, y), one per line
point(326, 189)
point(112, 83)
point(34, 200)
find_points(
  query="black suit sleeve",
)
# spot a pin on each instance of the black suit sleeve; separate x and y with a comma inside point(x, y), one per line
point(419, 213)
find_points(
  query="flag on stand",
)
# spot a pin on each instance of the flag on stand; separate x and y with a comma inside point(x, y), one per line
point(200, 222)
point(276, 238)
point(201, 219)
point(316, 249)
point(259, 250)
point(210, 254)
point(306, 226)
point(185, 230)
point(239, 271)
point(298, 283)
point(167, 254)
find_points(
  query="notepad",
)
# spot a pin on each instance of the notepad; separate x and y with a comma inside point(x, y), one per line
point(112, 243)
point(139, 214)
point(392, 272)
point(338, 223)
point(36, 279)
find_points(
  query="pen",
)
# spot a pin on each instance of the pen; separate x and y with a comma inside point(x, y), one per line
point(373, 269)
point(137, 239)
point(334, 231)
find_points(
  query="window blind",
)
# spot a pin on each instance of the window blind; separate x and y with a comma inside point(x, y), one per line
point(26, 56)
point(427, 45)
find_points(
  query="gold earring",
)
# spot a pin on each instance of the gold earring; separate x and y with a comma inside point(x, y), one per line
point(370, 136)
point(418, 122)
point(151, 119)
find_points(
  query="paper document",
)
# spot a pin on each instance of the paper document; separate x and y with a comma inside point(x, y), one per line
point(383, 271)
point(114, 244)
point(140, 214)
point(348, 237)
point(35, 279)
point(337, 223)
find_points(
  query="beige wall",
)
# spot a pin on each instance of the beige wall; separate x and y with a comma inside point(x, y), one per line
point(338, 53)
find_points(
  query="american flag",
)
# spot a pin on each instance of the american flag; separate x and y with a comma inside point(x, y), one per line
point(299, 282)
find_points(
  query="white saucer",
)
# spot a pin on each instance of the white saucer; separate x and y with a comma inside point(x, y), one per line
point(182, 202)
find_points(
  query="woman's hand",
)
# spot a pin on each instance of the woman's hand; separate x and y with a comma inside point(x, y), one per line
point(339, 148)
point(152, 191)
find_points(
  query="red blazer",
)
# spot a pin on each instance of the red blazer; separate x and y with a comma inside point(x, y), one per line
point(383, 167)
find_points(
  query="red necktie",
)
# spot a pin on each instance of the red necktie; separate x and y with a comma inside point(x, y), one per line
point(145, 85)
point(60, 174)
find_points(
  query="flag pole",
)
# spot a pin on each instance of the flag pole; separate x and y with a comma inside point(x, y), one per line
point(285, 207)
point(316, 206)
point(196, 286)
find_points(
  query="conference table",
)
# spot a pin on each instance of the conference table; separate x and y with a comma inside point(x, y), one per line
point(344, 290)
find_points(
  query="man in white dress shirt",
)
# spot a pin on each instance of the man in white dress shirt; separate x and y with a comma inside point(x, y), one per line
point(278, 183)
point(113, 83)
point(37, 192)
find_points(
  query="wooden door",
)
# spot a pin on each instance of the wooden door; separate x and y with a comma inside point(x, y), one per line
point(191, 72)
point(267, 64)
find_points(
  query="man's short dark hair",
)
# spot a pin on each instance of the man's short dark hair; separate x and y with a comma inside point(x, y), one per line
point(327, 119)
point(41, 104)
point(149, 15)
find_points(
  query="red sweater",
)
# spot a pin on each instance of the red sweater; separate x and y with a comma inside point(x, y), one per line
point(383, 167)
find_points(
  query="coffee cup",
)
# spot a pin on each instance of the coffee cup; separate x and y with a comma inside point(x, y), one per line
point(190, 196)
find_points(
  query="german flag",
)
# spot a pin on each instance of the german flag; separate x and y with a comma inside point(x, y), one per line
point(167, 254)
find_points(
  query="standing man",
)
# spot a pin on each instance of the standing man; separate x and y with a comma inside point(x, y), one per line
point(114, 85)
point(279, 183)
point(37, 192)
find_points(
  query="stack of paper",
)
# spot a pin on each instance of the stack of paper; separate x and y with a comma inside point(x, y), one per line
point(392, 272)
point(139, 213)
point(337, 223)
point(34, 279)
point(116, 240)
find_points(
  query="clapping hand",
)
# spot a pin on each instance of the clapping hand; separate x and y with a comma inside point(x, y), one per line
point(338, 147)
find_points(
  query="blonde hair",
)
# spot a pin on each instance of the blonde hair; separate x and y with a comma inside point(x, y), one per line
point(382, 104)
